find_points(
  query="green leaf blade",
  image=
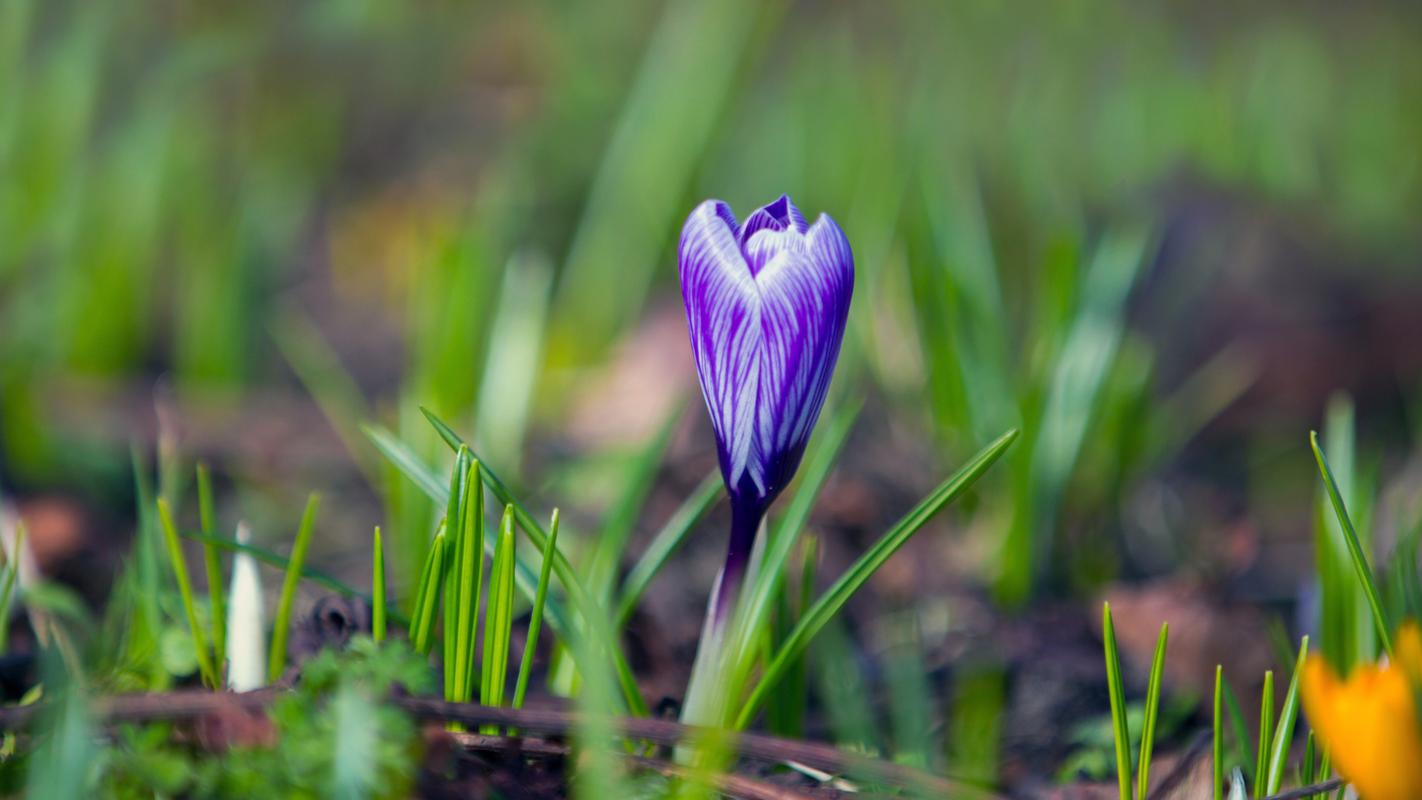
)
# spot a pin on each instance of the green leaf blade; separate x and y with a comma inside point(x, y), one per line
point(377, 589)
point(1152, 712)
point(212, 562)
point(834, 599)
point(1355, 549)
point(535, 619)
point(1283, 734)
point(185, 590)
point(1116, 687)
point(281, 628)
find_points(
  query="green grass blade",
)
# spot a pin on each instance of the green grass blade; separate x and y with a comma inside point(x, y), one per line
point(405, 460)
point(1310, 755)
point(185, 589)
point(12, 576)
point(498, 623)
point(468, 580)
point(599, 626)
point(212, 561)
point(454, 592)
point(1345, 625)
point(535, 619)
point(410, 465)
point(1360, 560)
point(785, 711)
point(377, 588)
point(1284, 733)
point(1238, 727)
point(1217, 736)
point(1119, 727)
point(665, 544)
point(474, 521)
point(834, 599)
point(445, 432)
point(281, 628)
point(427, 596)
point(146, 549)
point(1152, 711)
point(1266, 722)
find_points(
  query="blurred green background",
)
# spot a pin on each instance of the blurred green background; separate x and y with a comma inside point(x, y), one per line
point(1121, 226)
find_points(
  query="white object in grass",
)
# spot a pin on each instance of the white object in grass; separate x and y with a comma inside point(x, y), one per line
point(246, 637)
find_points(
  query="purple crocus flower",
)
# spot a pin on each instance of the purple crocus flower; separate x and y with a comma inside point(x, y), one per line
point(766, 303)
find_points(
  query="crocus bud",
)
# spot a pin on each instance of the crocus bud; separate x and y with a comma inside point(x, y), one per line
point(766, 304)
point(246, 636)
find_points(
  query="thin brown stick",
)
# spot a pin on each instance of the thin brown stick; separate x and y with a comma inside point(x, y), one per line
point(737, 786)
point(729, 783)
point(1307, 791)
point(190, 704)
point(505, 745)
point(755, 746)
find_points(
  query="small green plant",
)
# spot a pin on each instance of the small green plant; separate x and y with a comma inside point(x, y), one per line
point(333, 736)
point(1273, 744)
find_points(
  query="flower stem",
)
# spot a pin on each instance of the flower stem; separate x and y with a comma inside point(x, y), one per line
point(711, 688)
point(745, 521)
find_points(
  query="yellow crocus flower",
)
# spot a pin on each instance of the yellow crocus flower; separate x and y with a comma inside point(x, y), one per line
point(1369, 721)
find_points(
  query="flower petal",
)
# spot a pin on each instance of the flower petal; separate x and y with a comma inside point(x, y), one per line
point(1369, 723)
point(805, 291)
point(794, 217)
point(779, 215)
point(723, 315)
point(771, 216)
point(767, 243)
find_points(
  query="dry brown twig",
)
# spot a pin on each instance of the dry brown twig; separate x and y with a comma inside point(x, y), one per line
point(191, 704)
point(736, 786)
point(1319, 789)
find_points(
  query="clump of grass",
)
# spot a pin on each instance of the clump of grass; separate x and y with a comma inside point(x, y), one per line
point(1273, 744)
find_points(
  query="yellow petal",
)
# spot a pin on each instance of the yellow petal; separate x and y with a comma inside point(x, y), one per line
point(1369, 724)
point(1407, 651)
